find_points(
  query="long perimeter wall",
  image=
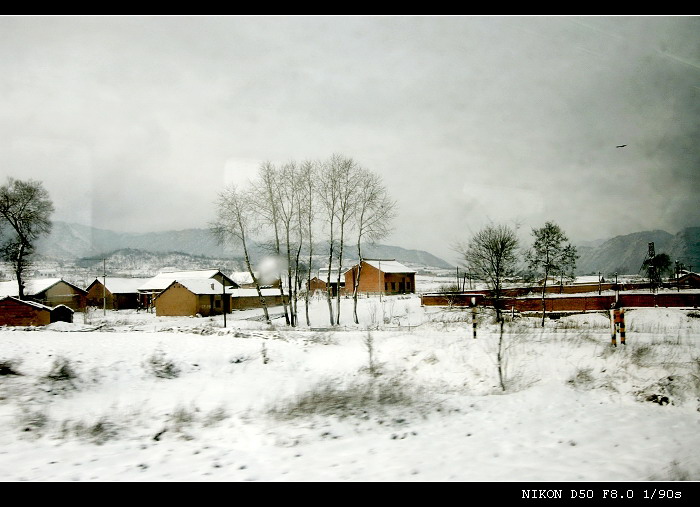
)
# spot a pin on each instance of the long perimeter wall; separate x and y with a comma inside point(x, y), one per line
point(572, 303)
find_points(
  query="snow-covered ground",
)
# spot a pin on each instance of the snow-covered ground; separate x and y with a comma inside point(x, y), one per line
point(129, 396)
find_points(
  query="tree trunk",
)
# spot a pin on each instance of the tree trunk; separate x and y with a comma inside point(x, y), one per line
point(19, 269)
point(308, 282)
point(255, 281)
point(356, 285)
point(544, 289)
point(340, 267)
point(328, 283)
point(500, 359)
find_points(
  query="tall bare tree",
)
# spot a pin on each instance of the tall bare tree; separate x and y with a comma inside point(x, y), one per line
point(491, 256)
point(27, 208)
point(328, 191)
point(267, 194)
point(235, 221)
point(348, 173)
point(374, 214)
point(547, 254)
point(288, 208)
point(307, 188)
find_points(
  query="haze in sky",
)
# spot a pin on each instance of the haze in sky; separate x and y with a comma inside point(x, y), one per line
point(134, 123)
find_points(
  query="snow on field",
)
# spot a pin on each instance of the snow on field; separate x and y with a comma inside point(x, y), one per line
point(129, 396)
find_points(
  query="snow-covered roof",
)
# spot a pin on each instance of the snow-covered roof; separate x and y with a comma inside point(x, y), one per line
point(30, 303)
point(241, 293)
point(122, 285)
point(165, 278)
point(31, 287)
point(243, 277)
point(201, 285)
point(390, 266)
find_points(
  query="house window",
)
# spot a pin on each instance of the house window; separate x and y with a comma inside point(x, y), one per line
point(408, 286)
point(386, 286)
point(393, 286)
point(217, 303)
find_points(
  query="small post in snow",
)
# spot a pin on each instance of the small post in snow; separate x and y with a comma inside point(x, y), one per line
point(474, 318)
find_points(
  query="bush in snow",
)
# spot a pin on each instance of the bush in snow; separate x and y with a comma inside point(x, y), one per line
point(61, 377)
point(357, 399)
point(32, 422)
point(160, 366)
point(582, 378)
point(97, 432)
point(9, 367)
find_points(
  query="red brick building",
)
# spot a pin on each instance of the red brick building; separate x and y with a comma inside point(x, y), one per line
point(16, 312)
point(48, 291)
point(385, 276)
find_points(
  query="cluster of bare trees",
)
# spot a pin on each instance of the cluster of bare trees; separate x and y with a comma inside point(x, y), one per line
point(26, 207)
point(294, 206)
point(491, 255)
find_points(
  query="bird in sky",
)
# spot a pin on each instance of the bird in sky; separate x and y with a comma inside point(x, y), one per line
point(620, 146)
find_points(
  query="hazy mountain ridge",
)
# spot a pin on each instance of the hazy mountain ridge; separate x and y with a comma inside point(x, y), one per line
point(625, 254)
point(69, 241)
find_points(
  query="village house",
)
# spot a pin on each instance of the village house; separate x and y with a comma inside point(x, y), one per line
point(157, 284)
point(385, 276)
point(115, 293)
point(193, 296)
point(48, 291)
point(17, 312)
point(688, 281)
point(318, 283)
point(243, 299)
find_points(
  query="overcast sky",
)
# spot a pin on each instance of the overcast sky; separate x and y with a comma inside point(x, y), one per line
point(135, 123)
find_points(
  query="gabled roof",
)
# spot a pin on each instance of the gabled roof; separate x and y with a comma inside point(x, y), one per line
point(33, 286)
point(28, 303)
point(390, 266)
point(163, 279)
point(200, 286)
point(121, 285)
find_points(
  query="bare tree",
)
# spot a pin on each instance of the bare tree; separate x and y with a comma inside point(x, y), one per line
point(267, 194)
point(547, 255)
point(374, 214)
point(235, 221)
point(288, 208)
point(349, 178)
point(329, 194)
point(568, 265)
point(491, 256)
point(27, 207)
point(307, 215)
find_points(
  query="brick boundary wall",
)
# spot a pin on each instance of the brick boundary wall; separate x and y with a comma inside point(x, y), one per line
point(569, 303)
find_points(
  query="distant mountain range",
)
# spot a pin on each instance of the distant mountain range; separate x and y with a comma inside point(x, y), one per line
point(70, 241)
point(621, 254)
point(625, 254)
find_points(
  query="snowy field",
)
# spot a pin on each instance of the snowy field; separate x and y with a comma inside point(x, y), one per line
point(129, 396)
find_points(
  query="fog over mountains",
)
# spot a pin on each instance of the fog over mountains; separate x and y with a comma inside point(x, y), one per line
point(625, 254)
point(70, 241)
point(621, 254)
